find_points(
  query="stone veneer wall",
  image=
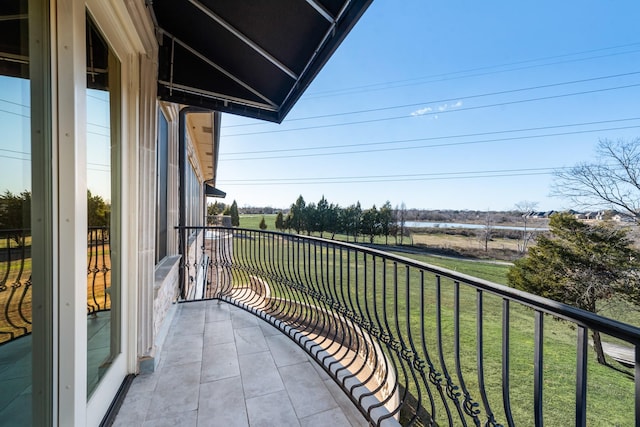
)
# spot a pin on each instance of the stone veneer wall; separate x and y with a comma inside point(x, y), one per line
point(165, 290)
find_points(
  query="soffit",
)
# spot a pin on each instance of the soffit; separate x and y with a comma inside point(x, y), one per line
point(200, 127)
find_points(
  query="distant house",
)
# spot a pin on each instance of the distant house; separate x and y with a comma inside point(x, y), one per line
point(591, 215)
point(620, 217)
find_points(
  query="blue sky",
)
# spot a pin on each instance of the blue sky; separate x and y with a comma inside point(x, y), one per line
point(15, 143)
point(488, 98)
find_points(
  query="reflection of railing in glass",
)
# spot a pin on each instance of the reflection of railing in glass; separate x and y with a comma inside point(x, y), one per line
point(15, 284)
point(98, 270)
point(15, 279)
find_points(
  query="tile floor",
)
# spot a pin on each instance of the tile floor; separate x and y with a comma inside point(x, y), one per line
point(222, 366)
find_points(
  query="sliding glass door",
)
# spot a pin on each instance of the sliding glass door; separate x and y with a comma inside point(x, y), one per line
point(103, 147)
point(26, 331)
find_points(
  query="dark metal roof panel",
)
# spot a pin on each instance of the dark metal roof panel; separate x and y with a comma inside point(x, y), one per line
point(252, 58)
point(288, 40)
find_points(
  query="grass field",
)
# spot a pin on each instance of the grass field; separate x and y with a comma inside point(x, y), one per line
point(488, 270)
point(610, 389)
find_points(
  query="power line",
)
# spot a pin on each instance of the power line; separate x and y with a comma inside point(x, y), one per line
point(432, 145)
point(14, 113)
point(451, 75)
point(478, 107)
point(29, 159)
point(14, 103)
point(416, 104)
point(412, 175)
point(98, 125)
point(99, 164)
point(282, 150)
point(14, 151)
point(99, 134)
point(441, 178)
point(15, 158)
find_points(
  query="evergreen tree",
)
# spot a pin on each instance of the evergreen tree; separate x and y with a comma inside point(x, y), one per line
point(263, 224)
point(581, 265)
point(98, 211)
point(322, 216)
point(370, 223)
point(297, 213)
point(280, 222)
point(235, 216)
point(386, 220)
point(15, 214)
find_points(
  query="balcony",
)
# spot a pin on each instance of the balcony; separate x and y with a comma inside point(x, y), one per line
point(416, 344)
point(279, 329)
point(222, 366)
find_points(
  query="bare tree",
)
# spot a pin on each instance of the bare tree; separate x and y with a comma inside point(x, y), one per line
point(525, 208)
point(612, 180)
point(486, 232)
point(403, 220)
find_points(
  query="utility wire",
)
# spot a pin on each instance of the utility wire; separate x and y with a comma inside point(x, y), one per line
point(14, 113)
point(447, 178)
point(99, 134)
point(28, 159)
point(414, 175)
point(416, 104)
point(478, 107)
point(14, 103)
point(452, 75)
point(15, 151)
point(15, 158)
point(432, 145)
point(284, 150)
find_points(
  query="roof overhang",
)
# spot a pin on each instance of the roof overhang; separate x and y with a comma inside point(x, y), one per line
point(252, 58)
point(211, 191)
point(203, 129)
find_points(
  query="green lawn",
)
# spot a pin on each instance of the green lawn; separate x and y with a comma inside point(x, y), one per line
point(610, 391)
point(493, 272)
point(253, 221)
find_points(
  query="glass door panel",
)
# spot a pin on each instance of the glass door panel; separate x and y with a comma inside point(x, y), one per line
point(15, 215)
point(103, 146)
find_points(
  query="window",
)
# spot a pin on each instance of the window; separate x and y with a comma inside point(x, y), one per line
point(103, 206)
point(162, 168)
point(26, 281)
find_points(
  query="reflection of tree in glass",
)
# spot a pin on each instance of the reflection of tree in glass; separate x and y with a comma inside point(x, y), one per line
point(98, 211)
point(15, 214)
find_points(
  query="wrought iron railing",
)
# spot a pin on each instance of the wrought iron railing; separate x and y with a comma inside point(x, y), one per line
point(98, 270)
point(16, 284)
point(417, 344)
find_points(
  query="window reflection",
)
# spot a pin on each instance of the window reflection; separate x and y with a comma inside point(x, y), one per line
point(15, 215)
point(102, 149)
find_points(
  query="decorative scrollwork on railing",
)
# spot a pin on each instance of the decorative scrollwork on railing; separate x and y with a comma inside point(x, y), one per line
point(394, 333)
point(16, 285)
point(98, 270)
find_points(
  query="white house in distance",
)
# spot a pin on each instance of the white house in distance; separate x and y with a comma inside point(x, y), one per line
point(122, 98)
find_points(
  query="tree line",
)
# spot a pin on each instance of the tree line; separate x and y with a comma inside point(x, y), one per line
point(353, 221)
point(15, 212)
